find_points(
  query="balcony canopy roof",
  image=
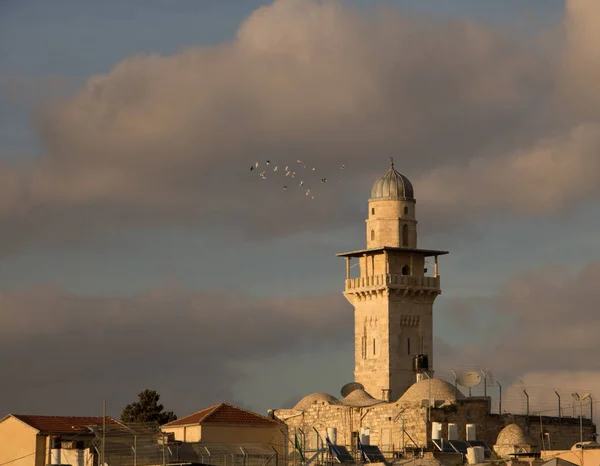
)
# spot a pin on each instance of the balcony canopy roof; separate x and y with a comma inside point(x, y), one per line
point(362, 252)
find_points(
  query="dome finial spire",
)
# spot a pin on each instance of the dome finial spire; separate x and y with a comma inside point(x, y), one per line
point(392, 162)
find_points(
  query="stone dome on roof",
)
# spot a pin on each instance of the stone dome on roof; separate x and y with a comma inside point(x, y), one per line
point(360, 398)
point(309, 400)
point(392, 186)
point(440, 390)
point(512, 434)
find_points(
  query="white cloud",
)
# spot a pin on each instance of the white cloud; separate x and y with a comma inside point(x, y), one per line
point(168, 140)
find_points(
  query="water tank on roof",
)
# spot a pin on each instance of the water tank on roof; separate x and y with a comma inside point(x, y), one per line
point(475, 455)
point(471, 434)
point(421, 363)
point(436, 430)
point(55, 447)
point(332, 434)
point(365, 436)
point(452, 431)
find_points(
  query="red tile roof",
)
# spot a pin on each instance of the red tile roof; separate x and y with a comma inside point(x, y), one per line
point(64, 424)
point(224, 413)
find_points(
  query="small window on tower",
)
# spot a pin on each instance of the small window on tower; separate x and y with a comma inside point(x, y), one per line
point(372, 210)
point(405, 210)
point(373, 346)
point(406, 270)
point(408, 345)
point(405, 235)
point(372, 235)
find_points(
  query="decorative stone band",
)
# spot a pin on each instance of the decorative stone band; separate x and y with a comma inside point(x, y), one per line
point(409, 321)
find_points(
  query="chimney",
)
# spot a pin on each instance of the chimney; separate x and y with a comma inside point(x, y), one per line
point(55, 446)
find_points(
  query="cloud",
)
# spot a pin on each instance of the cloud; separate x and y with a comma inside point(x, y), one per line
point(556, 172)
point(169, 139)
point(61, 351)
point(581, 59)
point(547, 340)
point(556, 175)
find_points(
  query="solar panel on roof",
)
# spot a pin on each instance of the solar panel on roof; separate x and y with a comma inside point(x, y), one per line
point(344, 455)
point(459, 446)
point(373, 454)
point(443, 446)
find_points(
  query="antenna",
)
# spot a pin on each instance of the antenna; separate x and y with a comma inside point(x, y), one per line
point(350, 387)
point(469, 380)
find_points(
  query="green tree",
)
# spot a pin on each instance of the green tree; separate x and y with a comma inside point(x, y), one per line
point(147, 409)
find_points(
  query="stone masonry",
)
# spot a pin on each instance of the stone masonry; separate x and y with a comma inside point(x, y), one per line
point(393, 296)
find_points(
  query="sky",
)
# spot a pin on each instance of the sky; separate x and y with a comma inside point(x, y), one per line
point(137, 249)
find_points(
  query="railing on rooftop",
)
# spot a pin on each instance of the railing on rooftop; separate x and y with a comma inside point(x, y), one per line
point(392, 281)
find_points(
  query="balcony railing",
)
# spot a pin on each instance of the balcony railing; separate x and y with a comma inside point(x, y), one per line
point(392, 281)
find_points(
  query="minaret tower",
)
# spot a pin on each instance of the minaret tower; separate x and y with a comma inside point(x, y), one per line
point(393, 295)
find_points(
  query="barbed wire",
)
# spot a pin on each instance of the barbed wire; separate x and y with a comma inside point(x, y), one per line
point(542, 398)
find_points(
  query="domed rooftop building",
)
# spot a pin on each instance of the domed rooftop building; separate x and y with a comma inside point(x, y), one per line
point(313, 398)
point(392, 284)
point(511, 439)
point(392, 186)
point(359, 398)
point(437, 389)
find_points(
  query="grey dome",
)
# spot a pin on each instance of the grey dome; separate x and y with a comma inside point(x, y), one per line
point(360, 398)
point(392, 186)
point(439, 390)
point(309, 400)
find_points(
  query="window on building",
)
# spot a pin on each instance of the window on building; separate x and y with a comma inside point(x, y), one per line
point(372, 235)
point(408, 346)
point(405, 235)
point(373, 346)
point(406, 270)
point(405, 210)
point(364, 347)
point(372, 210)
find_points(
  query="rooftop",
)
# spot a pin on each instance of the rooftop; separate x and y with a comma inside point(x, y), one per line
point(431, 389)
point(362, 252)
point(224, 413)
point(312, 398)
point(63, 424)
point(392, 186)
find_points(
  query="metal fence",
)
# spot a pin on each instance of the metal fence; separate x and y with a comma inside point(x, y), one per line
point(143, 444)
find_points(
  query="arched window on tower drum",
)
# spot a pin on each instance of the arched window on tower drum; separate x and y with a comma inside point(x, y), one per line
point(372, 235)
point(405, 235)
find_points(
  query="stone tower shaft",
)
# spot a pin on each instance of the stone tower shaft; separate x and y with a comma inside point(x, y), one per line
point(393, 293)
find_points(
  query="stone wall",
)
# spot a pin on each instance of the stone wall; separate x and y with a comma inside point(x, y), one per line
point(564, 432)
point(393, 426)
point(384, 421)
point(386, 219)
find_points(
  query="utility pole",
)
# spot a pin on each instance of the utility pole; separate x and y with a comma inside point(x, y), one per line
point(103, 431)
point(500, 398)
point(542, 432)
point(429, 401)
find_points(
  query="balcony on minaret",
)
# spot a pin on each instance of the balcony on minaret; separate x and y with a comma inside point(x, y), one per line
point(393, 268)
point(393, 281)
point(392, 286)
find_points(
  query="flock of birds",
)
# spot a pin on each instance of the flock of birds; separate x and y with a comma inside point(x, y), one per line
point(290, 174)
